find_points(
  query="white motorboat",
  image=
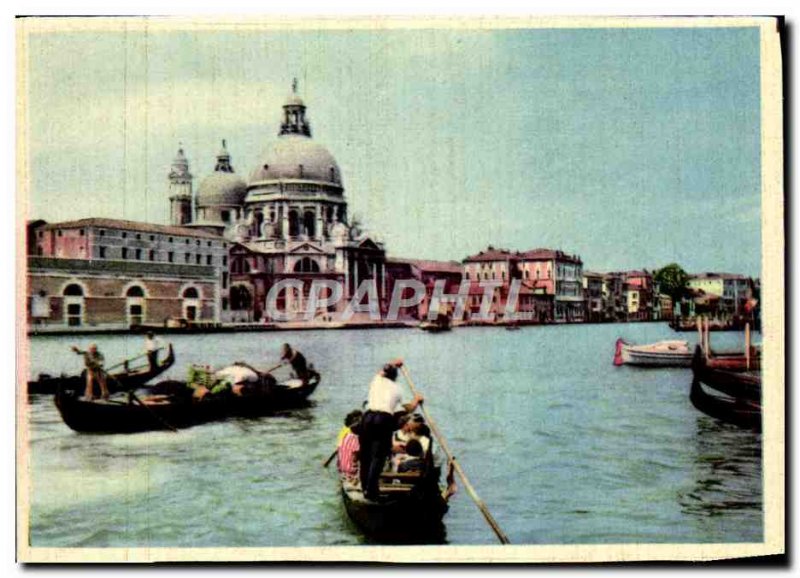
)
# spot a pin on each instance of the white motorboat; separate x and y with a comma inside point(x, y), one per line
point(672, 353)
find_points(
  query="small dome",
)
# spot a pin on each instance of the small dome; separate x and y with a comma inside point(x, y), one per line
point(294, 156)
point(294, 100)
point(221, 188)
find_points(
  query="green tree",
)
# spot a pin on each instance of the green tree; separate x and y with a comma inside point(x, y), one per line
point(672, 280)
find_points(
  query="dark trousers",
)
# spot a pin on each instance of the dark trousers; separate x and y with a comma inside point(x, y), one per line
point(375, 441)
point(152, 358)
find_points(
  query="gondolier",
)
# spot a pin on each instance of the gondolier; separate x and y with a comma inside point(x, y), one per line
point(378, 424)
point(94, 361)
point(151, 346)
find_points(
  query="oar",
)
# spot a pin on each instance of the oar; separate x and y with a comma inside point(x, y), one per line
point(121, 363)
point(330, 459)
point(135, 397)
point(456, 466)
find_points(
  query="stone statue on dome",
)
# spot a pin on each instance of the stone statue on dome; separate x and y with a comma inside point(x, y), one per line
point(340, 233)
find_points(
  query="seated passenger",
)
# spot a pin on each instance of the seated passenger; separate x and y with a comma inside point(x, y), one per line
point(347, 455)
point(352, 418)
point(412, 460)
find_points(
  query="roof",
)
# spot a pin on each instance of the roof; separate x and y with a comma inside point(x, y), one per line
point(492, 254)
point(294, 156)
point(547, 254)
point(638, 274)
point(132, 226)
point(220, 188)
point(593, 274)
point(710, 275)
point(432, 266)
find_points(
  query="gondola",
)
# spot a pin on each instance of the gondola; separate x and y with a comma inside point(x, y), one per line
point(124, 413)
point(739, 384)
point(172, 405)
point(261, 395)
point(129, 378)
point(736, 411)
point(409, 508)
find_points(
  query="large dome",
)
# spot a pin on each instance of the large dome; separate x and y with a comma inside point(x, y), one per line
point(295, 156)
point(220, 188)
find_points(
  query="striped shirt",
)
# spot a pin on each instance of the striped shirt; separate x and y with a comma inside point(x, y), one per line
point(348, 460)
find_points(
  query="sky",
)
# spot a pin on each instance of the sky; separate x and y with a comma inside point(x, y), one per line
point(632, 148)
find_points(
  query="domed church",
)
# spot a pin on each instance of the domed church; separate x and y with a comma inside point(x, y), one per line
point(287, 221)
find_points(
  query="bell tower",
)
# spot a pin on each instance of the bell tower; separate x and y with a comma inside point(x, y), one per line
point(294, 115)
point(180, 190)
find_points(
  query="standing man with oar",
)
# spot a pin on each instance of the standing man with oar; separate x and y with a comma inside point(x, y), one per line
point(93, 360)
point(375, 440)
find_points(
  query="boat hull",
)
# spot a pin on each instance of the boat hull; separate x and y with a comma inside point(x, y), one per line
point(415, 517)
point(180, 409)
point(116, 382)
point(736, 411)
point(627, 354)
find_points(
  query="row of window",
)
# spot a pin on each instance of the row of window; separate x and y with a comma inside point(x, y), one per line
point(75, 290)
point(138, 237)
point(138, 255)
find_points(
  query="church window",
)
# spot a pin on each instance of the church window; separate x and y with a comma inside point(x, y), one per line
point(309, 223)
point(306, 265)
point(294, 224)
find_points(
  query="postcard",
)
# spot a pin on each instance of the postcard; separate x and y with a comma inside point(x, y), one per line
point(400, 290)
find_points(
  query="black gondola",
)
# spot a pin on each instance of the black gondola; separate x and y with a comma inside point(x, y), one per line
point(739, 384)
point(122, 381)
point(409, 509)
point(171, 405)
point(736, 411)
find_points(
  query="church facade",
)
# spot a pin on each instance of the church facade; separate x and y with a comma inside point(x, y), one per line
point(287, 222)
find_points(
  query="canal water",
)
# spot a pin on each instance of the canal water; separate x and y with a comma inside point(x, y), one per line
point(562, 446)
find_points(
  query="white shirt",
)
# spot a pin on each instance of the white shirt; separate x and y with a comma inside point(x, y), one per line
point(384, 395)
point(152, 344)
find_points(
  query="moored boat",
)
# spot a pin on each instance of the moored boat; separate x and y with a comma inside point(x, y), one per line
point(737, 411)
point(660, 354)
point(128, 378)
point(738, 383)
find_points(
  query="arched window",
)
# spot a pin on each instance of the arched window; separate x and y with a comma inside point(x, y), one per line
point(310, 223)
point(73, 290)
point(190, 293)
point(306, 265)
point(135, 291)
point(240, 298)
point(294, 224)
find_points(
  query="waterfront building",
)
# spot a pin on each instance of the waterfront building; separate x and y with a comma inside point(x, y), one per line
point(733, 290)
point(561, 275)
point(640, 295)
point(593, 296)
point(427, 272)
point(289, 221)
point(615, 303)
point(111, 273)
point(553, 280)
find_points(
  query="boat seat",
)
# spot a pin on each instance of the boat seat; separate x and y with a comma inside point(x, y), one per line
point(395, 488)
point(412, 476)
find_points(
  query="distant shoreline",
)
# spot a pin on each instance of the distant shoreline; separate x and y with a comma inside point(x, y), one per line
point(273, 327)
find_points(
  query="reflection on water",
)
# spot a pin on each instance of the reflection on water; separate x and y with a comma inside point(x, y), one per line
point(561, 445)
point(727, 469)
